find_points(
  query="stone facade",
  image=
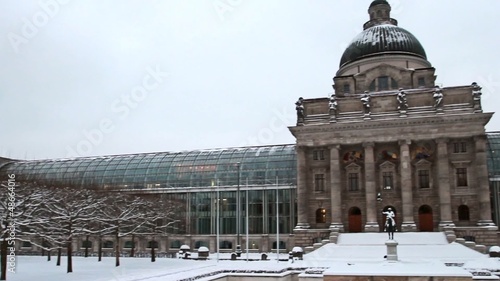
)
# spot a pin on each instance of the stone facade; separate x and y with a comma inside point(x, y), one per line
point(390, 137)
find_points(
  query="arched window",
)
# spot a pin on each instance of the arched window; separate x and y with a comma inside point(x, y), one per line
point(225, 244)
point(200, 243)
point(176, 244)
point(383, 83)
point(321, 215)
point(463, 213)
point(254, 245)
point(107, 244)
point(282, 245)
point(152, 244)
point(86, 244)
point(129, 244)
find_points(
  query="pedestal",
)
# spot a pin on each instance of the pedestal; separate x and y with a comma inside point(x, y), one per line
point(392, 250)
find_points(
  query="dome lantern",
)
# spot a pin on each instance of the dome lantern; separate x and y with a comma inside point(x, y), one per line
point(380, 13)
point(382, 36)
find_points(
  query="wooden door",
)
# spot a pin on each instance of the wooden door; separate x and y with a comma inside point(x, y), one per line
point(355, 219)
point(426, 223)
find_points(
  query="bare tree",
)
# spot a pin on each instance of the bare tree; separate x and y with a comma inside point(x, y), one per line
point(160, 216)
point(71, 211)
point(122, 216)
point(18, 207)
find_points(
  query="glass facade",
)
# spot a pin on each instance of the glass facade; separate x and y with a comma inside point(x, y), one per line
point(262, 205)
point(494, 173)
point(494, 154)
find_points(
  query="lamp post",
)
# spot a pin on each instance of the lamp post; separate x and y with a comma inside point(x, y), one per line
point(217, 204)
point(238, 212)
point(246, 219)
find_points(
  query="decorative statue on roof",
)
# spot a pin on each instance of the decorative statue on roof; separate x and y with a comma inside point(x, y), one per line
point(365, 99)
point(332, 104)
point(299, 107)
point(390, 222)
point(438, 97)
point(402, 102)
point(476, 96)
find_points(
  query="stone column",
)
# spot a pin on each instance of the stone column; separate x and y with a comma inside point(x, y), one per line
point(335, 188)
point(443, 174)
point(406, 186)
point(483, 188)
point(302, 207)
point(370, 191)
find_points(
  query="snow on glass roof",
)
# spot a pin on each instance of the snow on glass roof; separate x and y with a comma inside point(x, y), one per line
point(256, 165)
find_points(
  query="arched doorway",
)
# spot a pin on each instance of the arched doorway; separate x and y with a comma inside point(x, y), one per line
point(463, 213)
point(321, 215)
point(385, 209)
point(355, 220)
point(425, 222)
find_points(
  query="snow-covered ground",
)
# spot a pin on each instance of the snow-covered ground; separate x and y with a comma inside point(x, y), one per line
point(131, 269)
point(361, 253)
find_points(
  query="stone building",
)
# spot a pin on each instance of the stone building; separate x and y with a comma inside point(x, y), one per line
point(389, 137)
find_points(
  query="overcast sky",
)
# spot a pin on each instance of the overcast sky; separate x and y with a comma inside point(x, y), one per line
point(82, 78)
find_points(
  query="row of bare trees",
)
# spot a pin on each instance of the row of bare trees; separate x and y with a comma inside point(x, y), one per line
point(53, 217)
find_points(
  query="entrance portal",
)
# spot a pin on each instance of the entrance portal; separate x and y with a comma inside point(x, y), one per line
point(355, 224)
point(425, 221)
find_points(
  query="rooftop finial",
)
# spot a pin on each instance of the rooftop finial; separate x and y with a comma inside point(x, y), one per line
point(380, 13)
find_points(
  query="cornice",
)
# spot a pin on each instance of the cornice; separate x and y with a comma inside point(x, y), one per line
point(483, 118)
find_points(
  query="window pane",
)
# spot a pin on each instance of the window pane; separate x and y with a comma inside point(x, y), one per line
point(461, 176)
point(387, 176)
point(383, 83)
point(421, 81)
point(423, 179)
point(353, 182)
point(319, 182)
point(347, 88)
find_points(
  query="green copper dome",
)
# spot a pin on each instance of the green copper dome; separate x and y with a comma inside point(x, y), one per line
point(384, 39)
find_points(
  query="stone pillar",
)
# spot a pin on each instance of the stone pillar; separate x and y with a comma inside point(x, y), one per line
point(406, 186)
point(443, 174)
point(335, 189)
point(301, 189)
point(370, 190)
point(483, 188)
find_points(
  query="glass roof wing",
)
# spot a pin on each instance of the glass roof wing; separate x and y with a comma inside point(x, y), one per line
point(260, 165)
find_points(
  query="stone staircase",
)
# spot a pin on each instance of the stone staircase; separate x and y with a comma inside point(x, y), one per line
point(403, 238)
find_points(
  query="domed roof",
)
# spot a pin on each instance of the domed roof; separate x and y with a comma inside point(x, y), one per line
point(381, 40)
